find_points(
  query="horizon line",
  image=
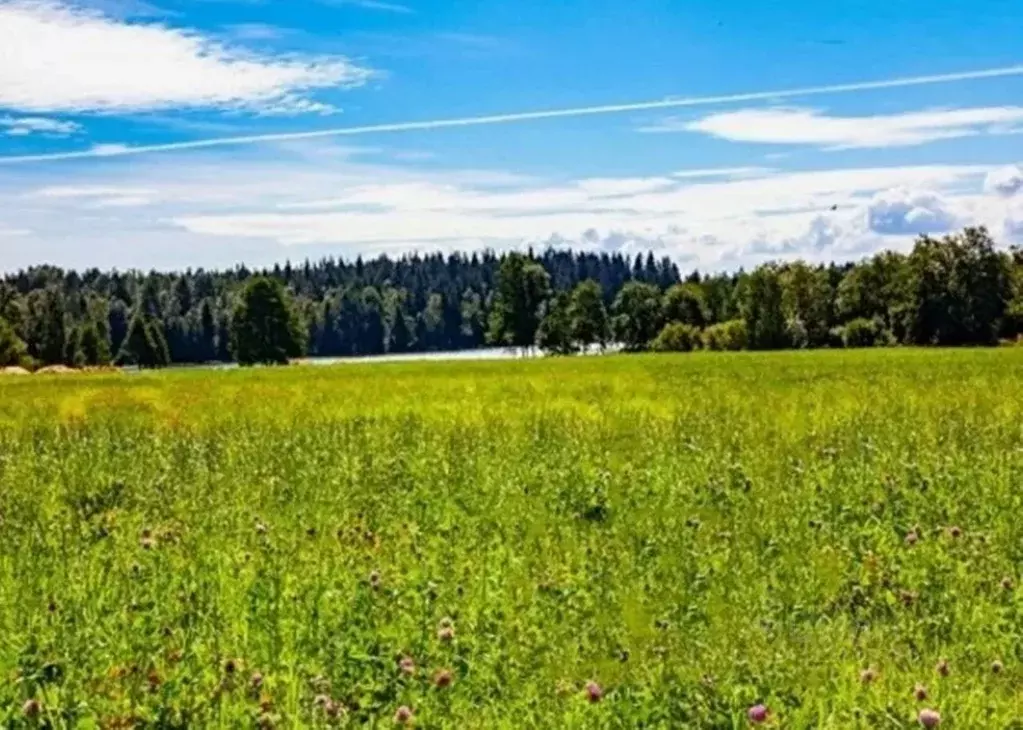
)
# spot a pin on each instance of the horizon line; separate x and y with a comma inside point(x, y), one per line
point(121, 150)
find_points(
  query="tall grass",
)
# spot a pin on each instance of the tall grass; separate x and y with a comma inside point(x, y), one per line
point(694, 534)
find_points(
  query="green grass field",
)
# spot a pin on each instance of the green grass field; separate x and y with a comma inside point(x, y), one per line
point(695, 534)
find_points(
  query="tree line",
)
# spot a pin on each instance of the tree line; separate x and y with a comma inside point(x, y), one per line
point(956, 290)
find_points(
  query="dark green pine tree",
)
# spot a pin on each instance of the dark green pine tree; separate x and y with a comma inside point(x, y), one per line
point(265, 327)
point(144, 344)
point(206, 333)
point(94, 348)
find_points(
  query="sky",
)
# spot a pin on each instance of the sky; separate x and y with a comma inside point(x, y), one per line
point(176, 134)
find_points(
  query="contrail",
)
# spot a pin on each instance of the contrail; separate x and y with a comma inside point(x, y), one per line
point(122, 151)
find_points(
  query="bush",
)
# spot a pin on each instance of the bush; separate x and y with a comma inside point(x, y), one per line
point(796, 331)
point(677, 337)
point(13, 352)
point(729, 335)
point(861, 333)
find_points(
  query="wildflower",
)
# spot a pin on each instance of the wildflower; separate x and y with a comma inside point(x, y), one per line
point(321, 701)
point(403, 715)
point(261, 528)
point(334, 709)
point(446, 630)
point(443, 678)
point(929, 718)
point(868, 675)
point(757, 714)
point(997, 667)
point(32, 708)
point(407, 666)
point(943, 668)
point(593, 692)
point(920, 693)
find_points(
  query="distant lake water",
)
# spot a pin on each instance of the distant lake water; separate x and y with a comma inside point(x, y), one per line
point(485, 353)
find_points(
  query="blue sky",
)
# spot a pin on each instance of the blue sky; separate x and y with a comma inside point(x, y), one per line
point(178, 133)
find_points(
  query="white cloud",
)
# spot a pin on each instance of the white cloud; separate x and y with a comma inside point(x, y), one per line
point(87, 191)
point(902, 211)
point(215, 210)
point(288, 101)
point(24, 126)
point(734, 172)
point(623, 186)
point(57, 58)
point(108, 150)
point(256, 32)
point(810, 127)
point(387, 7)
point(420, 211)
point(1006, 181)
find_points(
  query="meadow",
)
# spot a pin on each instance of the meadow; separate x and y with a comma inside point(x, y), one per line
point(629, 541)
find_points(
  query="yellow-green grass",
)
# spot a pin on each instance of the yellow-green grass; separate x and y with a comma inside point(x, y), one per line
point(696, 534)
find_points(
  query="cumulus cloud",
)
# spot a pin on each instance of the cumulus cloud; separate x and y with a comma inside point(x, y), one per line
point(1014, 228)
point(24, 126)
point(811, 127)
point(901, 211)
point(709, 223)
point(1005, 181)
point(214, 210)
point(60, 58)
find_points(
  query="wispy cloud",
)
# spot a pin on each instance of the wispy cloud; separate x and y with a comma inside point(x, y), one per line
point(256, 32)
point(810, 127)
point(61, 58)
point(382, 5)
point(726, 172)
point(87, 191)
point(218, 209)
point(527, 116)
point(24, 126)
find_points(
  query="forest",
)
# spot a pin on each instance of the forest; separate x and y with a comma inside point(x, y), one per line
point(962, 289)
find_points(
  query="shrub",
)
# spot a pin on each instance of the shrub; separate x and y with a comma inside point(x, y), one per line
point(677, 337)
point(861, 333)
point(729, 335)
